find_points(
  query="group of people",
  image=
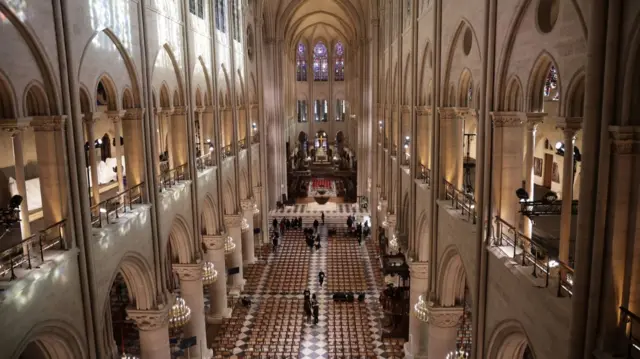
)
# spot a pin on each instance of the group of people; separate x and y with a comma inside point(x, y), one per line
point(360, 230)
point(311, 306)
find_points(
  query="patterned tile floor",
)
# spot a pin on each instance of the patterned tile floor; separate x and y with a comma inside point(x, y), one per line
point(276, 327)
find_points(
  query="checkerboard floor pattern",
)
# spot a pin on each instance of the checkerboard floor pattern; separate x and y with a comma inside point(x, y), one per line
point(275, 326)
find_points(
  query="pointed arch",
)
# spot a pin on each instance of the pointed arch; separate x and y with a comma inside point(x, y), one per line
point(240, 96)
point(422, 90)
point(137, 275)
point(35, 100)
point(165, 100)
point(405, 89)
point(177, 99)
point(176, 68)
point(229, 204)
point(513, 98)
point(253, 91)
point(198, 97)
point(459, 35)
point(574, 104)
point(127, 59)
point(50, 86)
point(58, 338)
point(452, 278)
point(465, 89)
point(537, 80)
point(85, 99)
point(7, 98)
point(106, 92)
point(225, 87)
point(208, 91)
point(509, 340)
point(180, 241)
point(127, 99)
point(210, 223)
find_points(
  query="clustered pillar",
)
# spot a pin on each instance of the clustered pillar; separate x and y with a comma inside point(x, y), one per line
point(419, 286)
point(215, 247)
point(153, 327)
point(234, 228)
point(248, 244)
point(190, 276)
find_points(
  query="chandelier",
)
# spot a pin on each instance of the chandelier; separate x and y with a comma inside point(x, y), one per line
point(458, 354)
point(256, 210)
point(179, 315)
point(229, 246)
point(209, 274)
point(127, 356)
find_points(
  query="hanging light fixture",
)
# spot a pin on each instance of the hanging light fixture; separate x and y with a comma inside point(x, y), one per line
point(458, 354)
point(179, 315)
point(229, 246)
point(209, 274)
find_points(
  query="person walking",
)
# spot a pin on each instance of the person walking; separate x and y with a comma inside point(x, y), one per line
point(321, 278)
point(282, 226)
point(316, 312)
point(316, 224)
point(322, 216)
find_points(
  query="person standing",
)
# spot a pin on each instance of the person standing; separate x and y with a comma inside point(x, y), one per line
point(316, 224)
point(316, 311)
point(321, 278)
point(322, 216)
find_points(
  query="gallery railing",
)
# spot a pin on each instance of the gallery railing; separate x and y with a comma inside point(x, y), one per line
point(29, 253)
point(164, 166)
point(544, 208)
point(461, 201)
point(169, 178)
point(631, 321)
point(204, 162)
point(226, 151)
point(112, 208)
point(242, 144)
point(425, 174)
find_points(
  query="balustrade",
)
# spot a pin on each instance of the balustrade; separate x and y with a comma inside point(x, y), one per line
point(425, 175)
point(461, 200)
point(633, 340)
point(205, 161)
point(114, 207)
point(169, 178)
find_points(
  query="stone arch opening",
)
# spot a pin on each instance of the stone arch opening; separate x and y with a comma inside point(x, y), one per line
point(7, 102)
point(229, 202)
point(127, 99)
point(51, 340)
point(85, 102)
point(35, 101)
point(544, 85)
point(465, 88)
point(509, 341)
point(106, 93)
point(132, 286)
point(209, 216)
point(180, 241)
point(513, 96)
point(164, 96)
point(575, 97)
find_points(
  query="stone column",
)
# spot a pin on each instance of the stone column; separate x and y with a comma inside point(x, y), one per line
point(191, 291)
point(507, 164)
point(15, 128)
point(227, 127)
point(207, 127)
point(419, 286)
point(392, 239)
point(533, 120)
point(443, 330)
point(248, 244)
point(166, 114)
point(89, 120)
point(50, 149)
point(116, 117)
point(218, 290)
point(451, 146)
point(233, 223)
point(202, 143)
point(133, 146)
point(153, 327)
point(179, 136)
point(569, 127)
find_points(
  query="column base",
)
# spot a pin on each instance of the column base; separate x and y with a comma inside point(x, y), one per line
point(249, 261)
point(409, 355)
point(217, 318)
point(236, 289)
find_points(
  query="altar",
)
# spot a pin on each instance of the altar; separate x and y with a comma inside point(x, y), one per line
point(321, 155)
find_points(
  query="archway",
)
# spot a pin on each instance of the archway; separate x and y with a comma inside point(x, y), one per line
point(132, 287)
point(453, 291)
point(209, 216)
point(51, 340)
point(509, 341)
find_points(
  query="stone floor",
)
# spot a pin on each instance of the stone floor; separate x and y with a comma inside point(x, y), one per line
point(275, 326)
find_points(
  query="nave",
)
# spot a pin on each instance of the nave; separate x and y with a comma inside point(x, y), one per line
point(275, 324)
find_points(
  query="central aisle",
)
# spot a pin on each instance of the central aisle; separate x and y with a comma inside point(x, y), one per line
point(275, 326)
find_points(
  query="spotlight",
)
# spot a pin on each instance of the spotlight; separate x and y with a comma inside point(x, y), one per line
point(550, 197)
point(208, 140)
point(407, 138)
point(522, 194)
point(560, 149)
point(559, 145)
point(99, 141)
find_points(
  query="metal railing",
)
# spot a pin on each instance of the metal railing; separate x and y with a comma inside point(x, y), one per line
point(425, 175)
point(461, 201)
point(164, 166)
point(565, 279)
point(205, 161)
point(30, 252)
point(242, 144)
point(543, 208)
point(633, 340)
point(226, 151)
point(522, 248)
point(169, 178)
point(117, 205)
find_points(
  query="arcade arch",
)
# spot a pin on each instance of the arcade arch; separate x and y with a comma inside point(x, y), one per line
point(509, 341)
point(52, 339)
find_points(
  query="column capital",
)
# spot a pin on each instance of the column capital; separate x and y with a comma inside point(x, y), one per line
point(464, 112)
point(14, 126)
point(247, 204)
point(534, 119)
point(444, 317)
point(167, 111)
point(257, 190)
point(419, 270)
point(180, 110)
point(188, 272)
point(405, 109)
point(209, 109)
point(133, 114)
point(448, 113)
point(153, 319)
point(199, 109)
point(214, 242)
point(423, 110)
point(115, 116)
point(48, 123)
point(90, 117)
point(507, 119)
point(233, 220)
point(391, 219)
point(569, 125)
point(625, 140)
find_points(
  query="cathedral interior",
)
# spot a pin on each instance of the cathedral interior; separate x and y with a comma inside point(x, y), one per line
point(313, 179)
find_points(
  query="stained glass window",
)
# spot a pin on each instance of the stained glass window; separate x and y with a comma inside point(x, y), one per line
point(302, 111)
point(551, 85)
point(341, 110)
point(320, 62)
point(320, 110)
point(301, 63)
point(470, 95)
point(192, 6)
point(201, 9)
point(235, 10)
point(339, 65)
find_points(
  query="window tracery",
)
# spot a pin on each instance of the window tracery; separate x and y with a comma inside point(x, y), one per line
point(221, 19)
point(302, 111)
point(551, 85)
point(339, 62)
point(320, 62)
point(301, 62)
